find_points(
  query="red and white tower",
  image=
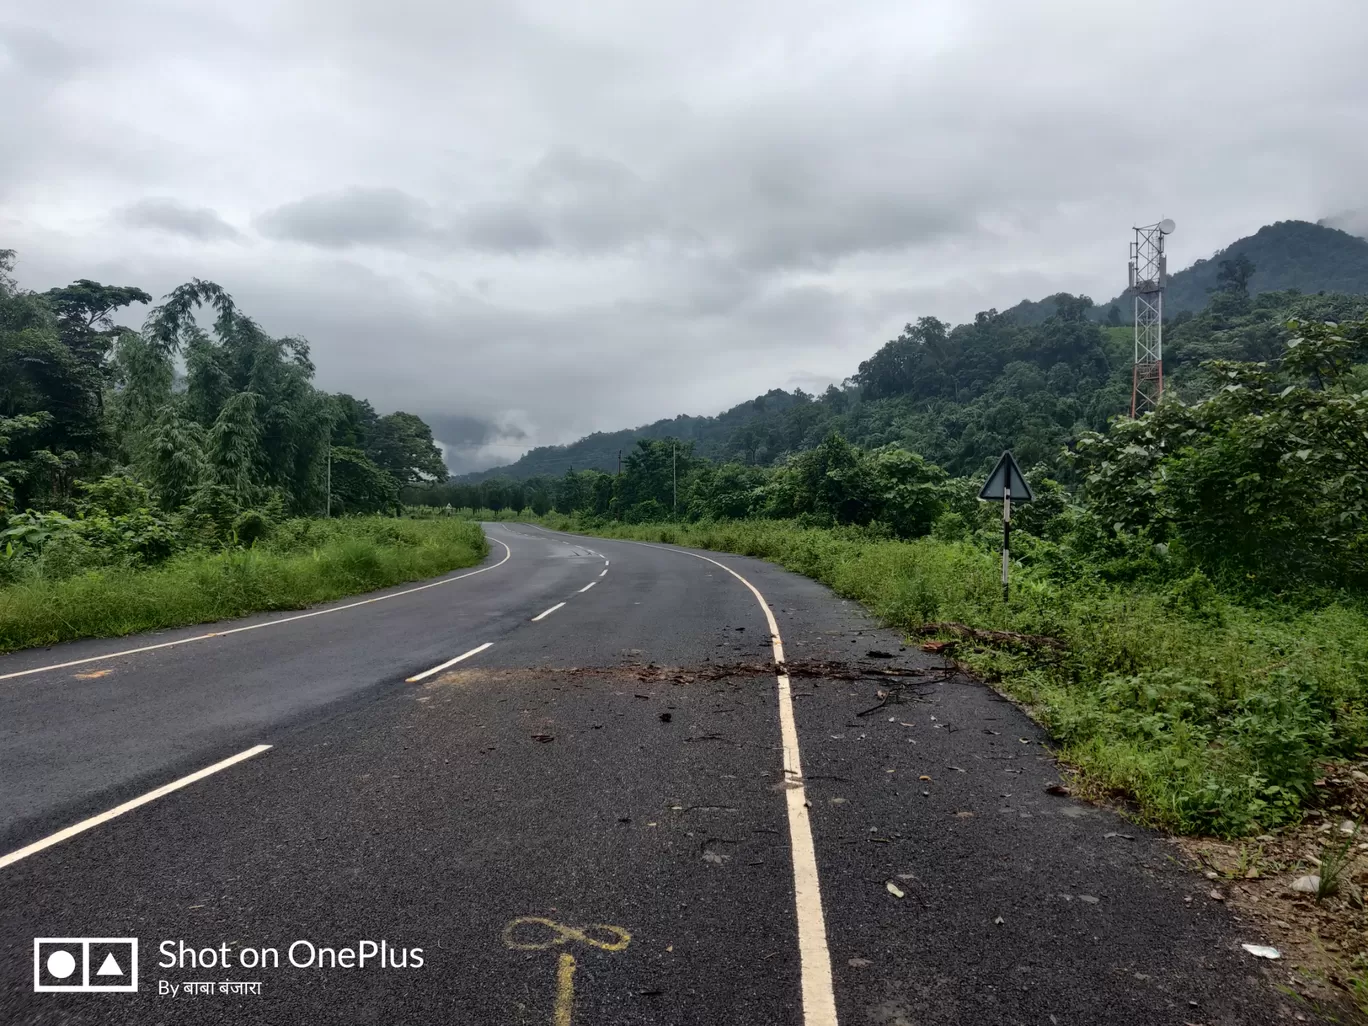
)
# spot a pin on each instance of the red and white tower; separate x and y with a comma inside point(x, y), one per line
point(1148, 275)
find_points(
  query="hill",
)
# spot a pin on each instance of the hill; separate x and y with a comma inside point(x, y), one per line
point(1028, 378)
point(710, 435)
point(1287, 255)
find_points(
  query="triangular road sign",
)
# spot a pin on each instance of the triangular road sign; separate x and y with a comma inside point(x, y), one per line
point(109, 967)
point(1006, 474)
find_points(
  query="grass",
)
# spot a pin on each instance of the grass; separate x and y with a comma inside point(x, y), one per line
point(1211, 715)
point(301, 563)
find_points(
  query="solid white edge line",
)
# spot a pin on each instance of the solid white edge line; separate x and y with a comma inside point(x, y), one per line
point(547, 612)
point(449, 662)
point(587, 587)
point(129, 806)
point(508, 554)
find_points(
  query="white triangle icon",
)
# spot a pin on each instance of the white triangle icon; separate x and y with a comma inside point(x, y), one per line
point(109, 967)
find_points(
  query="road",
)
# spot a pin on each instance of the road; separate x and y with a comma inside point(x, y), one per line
point(595, 819)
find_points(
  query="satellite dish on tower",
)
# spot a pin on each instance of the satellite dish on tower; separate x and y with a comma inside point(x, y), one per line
point(1166, 226)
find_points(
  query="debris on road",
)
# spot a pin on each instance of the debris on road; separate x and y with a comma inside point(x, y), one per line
point(936, 647)
point(999, 921)
point(665, 717)
point(1306, 884)
point(1058, 789)
point(1215, 894)
point(1125, 837)
point(1087, 899)
point(1262, 951)
point(894, 889)
point(543, 738)
point(859, 963)
point(716, 858)
point(878, 653)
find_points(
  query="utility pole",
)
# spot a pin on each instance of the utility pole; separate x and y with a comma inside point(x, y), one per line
point(674, 475)
point(328, 508)
point(1148, 276)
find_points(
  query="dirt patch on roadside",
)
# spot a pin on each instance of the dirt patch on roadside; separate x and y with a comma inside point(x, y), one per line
point(1323, 938)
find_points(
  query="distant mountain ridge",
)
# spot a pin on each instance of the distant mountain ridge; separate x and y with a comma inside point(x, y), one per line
point(1297, 255)
point(600, 450)
point(1286, 255)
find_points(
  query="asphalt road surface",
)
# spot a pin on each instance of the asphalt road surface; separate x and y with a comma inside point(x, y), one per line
point(616, 811)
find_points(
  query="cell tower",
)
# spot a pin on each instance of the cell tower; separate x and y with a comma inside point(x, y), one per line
point(1148, 275)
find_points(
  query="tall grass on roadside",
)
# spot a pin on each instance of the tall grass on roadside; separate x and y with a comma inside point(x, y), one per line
point(303, 562)
point(1212, 715)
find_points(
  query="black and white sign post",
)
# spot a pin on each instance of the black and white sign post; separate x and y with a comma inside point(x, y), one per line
point(1005, 482)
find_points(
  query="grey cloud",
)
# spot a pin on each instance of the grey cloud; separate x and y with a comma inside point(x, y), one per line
point(558, 218)
point(353, 217)
point(501, 228)
point(1355, 222)
point(175, 218)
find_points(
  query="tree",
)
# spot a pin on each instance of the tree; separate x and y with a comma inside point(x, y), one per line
point(1233, 276)
point(401, 444)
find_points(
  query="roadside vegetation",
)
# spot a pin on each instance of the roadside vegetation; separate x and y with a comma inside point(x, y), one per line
point(71, 589)
point(175, 475)
point(1189, 612)
point(1213, 714)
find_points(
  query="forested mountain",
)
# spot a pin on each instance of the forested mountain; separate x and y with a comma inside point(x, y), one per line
point(1029, 378)
point(711, 437)
point(1286, 255)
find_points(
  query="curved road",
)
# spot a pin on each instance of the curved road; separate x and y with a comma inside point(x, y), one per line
point(594, 817)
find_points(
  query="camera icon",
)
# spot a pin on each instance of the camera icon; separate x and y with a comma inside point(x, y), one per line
point(86, 964)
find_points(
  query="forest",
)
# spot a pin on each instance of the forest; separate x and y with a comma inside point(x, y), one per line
point(1023, 378)
point(203, 455)
point(1254, 465)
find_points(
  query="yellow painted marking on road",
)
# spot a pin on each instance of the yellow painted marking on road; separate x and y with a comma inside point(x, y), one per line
point(93, 674)
point(563, 934)
point(508, 554)
point(129, 806)
point(610, 938)
point(565, 989)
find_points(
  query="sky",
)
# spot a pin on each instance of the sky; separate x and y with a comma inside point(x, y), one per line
point(530, 221)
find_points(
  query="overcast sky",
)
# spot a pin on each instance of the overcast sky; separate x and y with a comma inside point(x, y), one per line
point(553, 218)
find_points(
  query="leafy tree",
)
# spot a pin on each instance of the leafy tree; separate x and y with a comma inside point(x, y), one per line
point(401, 444)
point(359, 486)
point(1265, 482)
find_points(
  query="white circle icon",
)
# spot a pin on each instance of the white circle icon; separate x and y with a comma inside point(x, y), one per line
point(60, 964)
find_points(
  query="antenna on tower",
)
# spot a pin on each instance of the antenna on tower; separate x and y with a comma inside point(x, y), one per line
point(1148, 276)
